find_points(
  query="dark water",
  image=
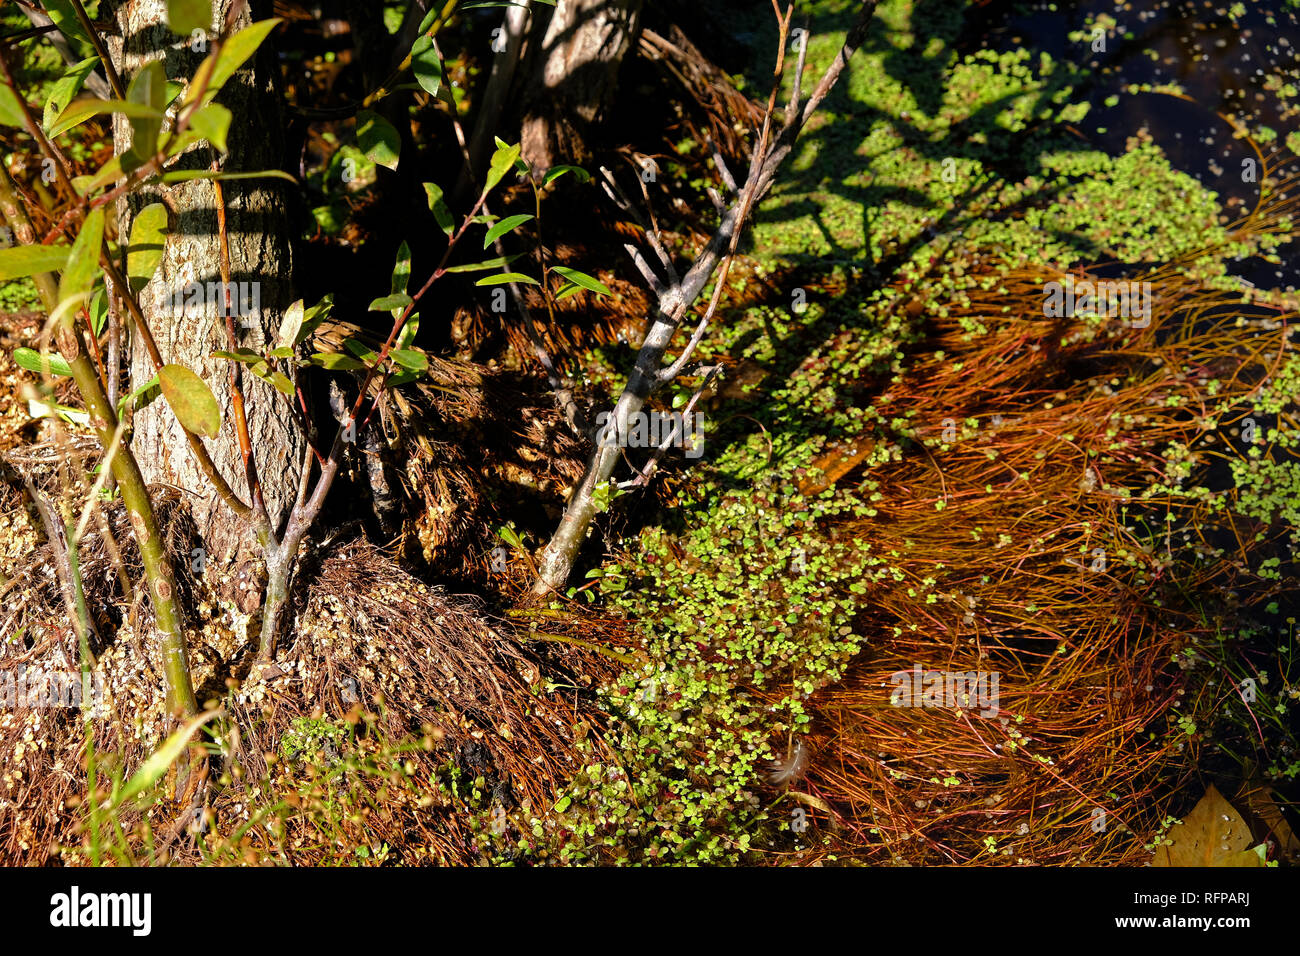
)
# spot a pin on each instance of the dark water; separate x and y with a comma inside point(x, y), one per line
point(1223, 61)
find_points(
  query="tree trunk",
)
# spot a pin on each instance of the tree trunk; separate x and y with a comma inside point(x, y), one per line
point(574, 77)
point(258, 232)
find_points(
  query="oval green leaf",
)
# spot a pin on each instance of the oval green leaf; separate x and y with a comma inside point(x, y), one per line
point(506, 225)
point(503, 160)
point(425, 65)
point(507, 277)
point(555, 172)
point(378, 139)
point(582, 279)
point(439, 208)
point(83, 261)
point(232, 55)
point(190, 398)
point(17, 262)
point(31, 360)
point(148, 235)
point(81, 110)
point(66, 87)
point(212, 122)
point(410, 359)
point(337, 362)
point(398, 301)
point(148, 88)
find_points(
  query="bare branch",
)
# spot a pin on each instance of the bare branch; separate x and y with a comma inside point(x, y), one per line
point(656, 284)
point(646, 374)
point(798, 74)
point(716, 198)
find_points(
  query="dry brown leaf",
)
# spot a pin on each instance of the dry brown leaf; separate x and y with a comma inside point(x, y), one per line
point(1213, 834)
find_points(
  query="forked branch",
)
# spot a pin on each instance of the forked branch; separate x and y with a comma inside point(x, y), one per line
point(676, 295)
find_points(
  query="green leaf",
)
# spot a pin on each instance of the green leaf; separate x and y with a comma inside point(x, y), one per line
point(128, 401)
point(402, 269)
point(378, 139)
point(313, 317)
point(337, 362)
point(582, 279)
point(503, 160)
point(190, 398)
point(508, 535)
point(83, 109)
point(563, 803)
point(439, 208)
point(65, 88)
point(291, 325)
point(148, 236)
point(506, 225)
point(148, 88)
point(425, 65)
point(499, 262)
point(361, 350)
point(65, 18)
point(411, 359)
point(507, 277)
point(186, 16)
point(152, 770)
point(407, 335)
point(109, 172)
point(19, 261)
point(98, 310)
point(31, 360)
point(247, 356)
point(212, 122)
point(399, 300)
point(11, 111)
point(566, 291)
point(555, 172)
point(278, 380)
point(234, 53)
point(400, 379)
point(83, 262)
point(186, 175)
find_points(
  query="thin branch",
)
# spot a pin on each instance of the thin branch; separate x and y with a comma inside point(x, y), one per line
point(644, 474)
point(725, 172)
point(261, 518)
point(114, 80)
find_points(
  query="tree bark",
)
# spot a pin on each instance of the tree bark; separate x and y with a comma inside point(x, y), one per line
point(574, 77)
point(258, 234)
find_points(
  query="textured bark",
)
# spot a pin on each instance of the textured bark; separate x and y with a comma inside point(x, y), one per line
point(574, 76)
point(258, 233)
